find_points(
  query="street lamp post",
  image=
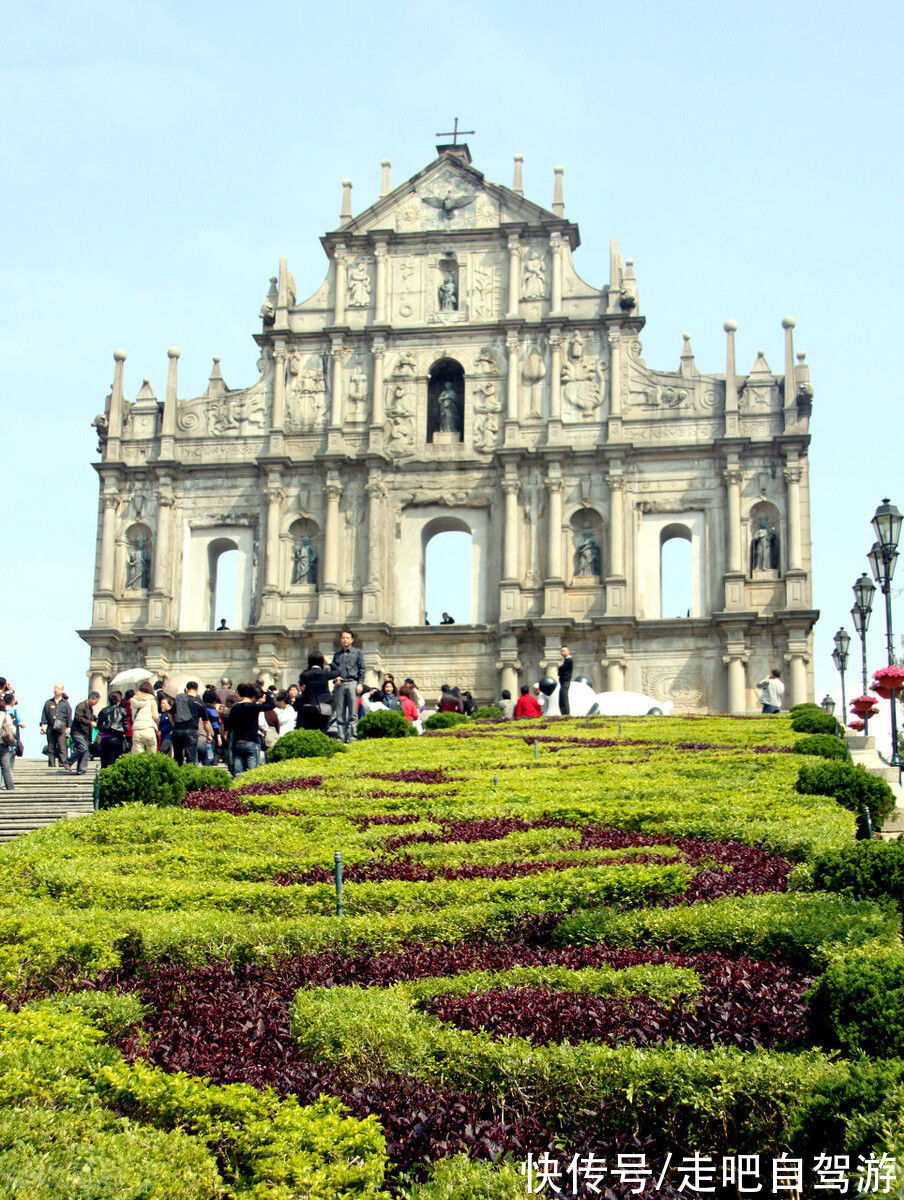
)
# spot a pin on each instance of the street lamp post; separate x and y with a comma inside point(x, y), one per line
point(827, 704)
point(840, 658)
point(864, 590)
point(882, 559)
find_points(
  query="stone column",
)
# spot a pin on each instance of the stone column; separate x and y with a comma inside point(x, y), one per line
point(615, 406)
point(616, 584)
point(732, 478)
point(508, 665)
point(797, 678)
point(377, 415)
point(613, 663)
point(168, 431)
point(731, 382)
point(513, 345)
point(554, 431)
point(554, 485)
point(341, 256)
point(792, 487)
point(514, 283)
point(163, 564)
point(113, 449)
point(737, 682)
point(381, 255)
point(791, 420)
point(278, 416)
point(375, 495)
point(275, 494)
point(337, 351)
point(511, 487)
point(555, 253)
point(332, 490)
point(110, 503)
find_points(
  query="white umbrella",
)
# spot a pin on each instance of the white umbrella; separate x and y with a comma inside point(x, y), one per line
point(131, 678)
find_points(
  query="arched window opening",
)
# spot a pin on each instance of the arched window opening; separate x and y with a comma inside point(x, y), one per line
point(448, 572)
point(446, 401)
point(224, 584)
point(676, 588)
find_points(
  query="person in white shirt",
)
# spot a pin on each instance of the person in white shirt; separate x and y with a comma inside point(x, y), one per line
point(285, 712)
point(371, 701)
point(772, 691)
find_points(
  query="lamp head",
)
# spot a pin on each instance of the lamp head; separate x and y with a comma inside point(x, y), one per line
point(887, 524)
point(827, 704)
point(864, 590)
point(842, 642)
point(860, 617)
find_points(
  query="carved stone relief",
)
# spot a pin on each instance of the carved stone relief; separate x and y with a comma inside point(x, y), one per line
point(359, 285)
point(685, 685)
point(400, 410)
point(583, 379)
point(239, 413)
point(533, 278)
point(305, 393)
point(487, 406)
point(356, 390)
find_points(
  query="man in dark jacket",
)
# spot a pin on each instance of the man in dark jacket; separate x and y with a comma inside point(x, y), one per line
point(187, 712)
point(349, 662)
point(56, 719)
point(566, 670)
point(82, 724)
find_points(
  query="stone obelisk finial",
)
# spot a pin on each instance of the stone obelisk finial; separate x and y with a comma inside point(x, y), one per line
point(518, 183)
point(385, 185)
point(346, 213)
point(558, 200)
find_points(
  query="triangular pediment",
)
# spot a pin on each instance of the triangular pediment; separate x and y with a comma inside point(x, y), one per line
point(448, 194)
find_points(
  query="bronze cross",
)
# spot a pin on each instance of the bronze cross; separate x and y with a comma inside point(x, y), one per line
point(453, 133)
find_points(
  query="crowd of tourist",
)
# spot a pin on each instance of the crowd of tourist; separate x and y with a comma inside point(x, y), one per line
point(235, 726)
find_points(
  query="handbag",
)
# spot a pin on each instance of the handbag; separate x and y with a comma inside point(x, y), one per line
point(325, 708)
point(20, 749)
point(7, 731)
point(58, 725)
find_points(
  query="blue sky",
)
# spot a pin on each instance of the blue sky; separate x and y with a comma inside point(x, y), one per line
point(158, 158)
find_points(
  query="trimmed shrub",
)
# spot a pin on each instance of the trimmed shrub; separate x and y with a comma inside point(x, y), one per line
point(459, 1178)
point(141, 779)
point(824, 745)
point(808, 706)
point(857, 1006)
point(488, 712)
point(851, 1111)
point(303, 743)
point(814, 720)
point(872, 870)
point(445, 720)
point(199, 779)
point(852, 786)
point(385, 723)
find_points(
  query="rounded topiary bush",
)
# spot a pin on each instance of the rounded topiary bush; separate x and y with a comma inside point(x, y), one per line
point(814, 720)
point(445, 720)
point(198, 779)
point(857, 1006)
point(825, 745)
point(385, 723)
point(303, 743)
point(808, 706)
point(872, 870)
point(141, 779)
point(852, 786)
point(489, 712)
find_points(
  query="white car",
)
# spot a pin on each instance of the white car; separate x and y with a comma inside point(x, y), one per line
point(583, 702)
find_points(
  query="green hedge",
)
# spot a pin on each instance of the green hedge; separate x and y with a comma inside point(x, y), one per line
point(385, 723)
point(489, 712)
point(445, 720)
point(871, 870)
point(814, 720)
point(852, 786)
point(824, 745)
point(197, 778)
point(857, 1006)
point(141, 779)
point(304, 743)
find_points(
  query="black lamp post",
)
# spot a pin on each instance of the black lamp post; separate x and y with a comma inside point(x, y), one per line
point(882, 559)
point(864, 590)
point(827, 704)
point(840, 658)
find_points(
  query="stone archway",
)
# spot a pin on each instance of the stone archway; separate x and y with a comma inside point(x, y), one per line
point(419, 524)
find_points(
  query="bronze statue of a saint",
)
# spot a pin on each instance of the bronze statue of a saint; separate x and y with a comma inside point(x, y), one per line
point(304, 561)
point(587, 556)
point(764, 548)
point(448, 295)
point(138, 567)
point(449, 411)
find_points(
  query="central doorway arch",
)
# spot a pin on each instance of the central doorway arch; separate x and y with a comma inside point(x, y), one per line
point(447, 568)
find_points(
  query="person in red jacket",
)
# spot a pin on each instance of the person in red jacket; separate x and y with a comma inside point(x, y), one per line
point(527, 706)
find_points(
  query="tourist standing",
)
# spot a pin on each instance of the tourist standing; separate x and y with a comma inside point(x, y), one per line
point(143, 705)
point(448, 701)
point(7, 745)
point(56, 719)
point(315, 703)
point(242, 727)
point(188, 712)
point(83, 724)
point(566, 670)
point(507, 705)
point(349, 662)
point(772, 692)
point(111, 729)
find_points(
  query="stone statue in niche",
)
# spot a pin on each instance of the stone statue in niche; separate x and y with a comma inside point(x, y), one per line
point(304, 561)
point(764, 548)
point(449, 411)
point(138, 567)
point(533, 280)
point(448, 295)
point(587, 556)
point(359, 285)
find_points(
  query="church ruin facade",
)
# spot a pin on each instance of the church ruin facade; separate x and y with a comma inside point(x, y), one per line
point(454, 372)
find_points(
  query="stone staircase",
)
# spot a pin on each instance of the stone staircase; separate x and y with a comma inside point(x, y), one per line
point(863, 751)
point(41, 796)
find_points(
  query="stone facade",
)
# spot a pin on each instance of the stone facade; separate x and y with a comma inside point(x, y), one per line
point(453, 371)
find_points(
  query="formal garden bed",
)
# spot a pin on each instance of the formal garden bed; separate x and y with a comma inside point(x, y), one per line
point(574, 955)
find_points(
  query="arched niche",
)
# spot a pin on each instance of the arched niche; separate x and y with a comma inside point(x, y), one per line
point(203, 564)
point(587, 538)
point(304, 554)
point(137, 558)
point(446, 565)
point(764, 545)
point(446, 401)
point(448, 291)
point(676, 574)
point(419, 525)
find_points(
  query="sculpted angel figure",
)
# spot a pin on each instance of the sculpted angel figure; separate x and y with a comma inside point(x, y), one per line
point(359, 285)
point(533, 286)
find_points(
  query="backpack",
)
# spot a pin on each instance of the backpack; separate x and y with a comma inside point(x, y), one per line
point(7, 731)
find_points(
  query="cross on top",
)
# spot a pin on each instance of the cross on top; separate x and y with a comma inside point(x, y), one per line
point(455, 131)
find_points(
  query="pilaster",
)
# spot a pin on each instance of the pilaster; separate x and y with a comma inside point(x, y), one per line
point(161, 592)
point(614, 428)
point(329, 592)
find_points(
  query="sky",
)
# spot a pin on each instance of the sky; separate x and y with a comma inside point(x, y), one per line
point(156, 159)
